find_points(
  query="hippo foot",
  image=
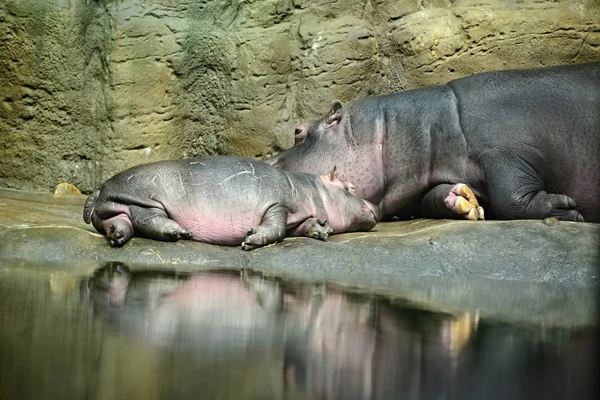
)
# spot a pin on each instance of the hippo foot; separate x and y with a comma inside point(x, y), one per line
point(176, 234)
point(461, 200)
point(185, 234)
point(172, 232)
point(563, 208)
point(318, 228)
point(118, 234)
point(257, 236)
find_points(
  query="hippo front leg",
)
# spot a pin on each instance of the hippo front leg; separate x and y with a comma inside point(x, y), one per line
point(451, 201)
point(153, 223)
point(271, 230)
point(316, 228)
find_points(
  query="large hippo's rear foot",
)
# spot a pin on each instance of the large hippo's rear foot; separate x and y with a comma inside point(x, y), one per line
point(452, 201)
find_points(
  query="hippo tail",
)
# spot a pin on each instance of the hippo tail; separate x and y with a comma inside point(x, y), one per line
point(88, 208)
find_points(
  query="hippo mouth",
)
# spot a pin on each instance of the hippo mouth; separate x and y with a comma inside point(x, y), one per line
point(374, 210)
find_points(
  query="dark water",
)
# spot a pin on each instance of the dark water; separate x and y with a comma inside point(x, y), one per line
point(120, 332)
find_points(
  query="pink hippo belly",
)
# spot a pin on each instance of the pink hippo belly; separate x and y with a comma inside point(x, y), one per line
point(221, 226)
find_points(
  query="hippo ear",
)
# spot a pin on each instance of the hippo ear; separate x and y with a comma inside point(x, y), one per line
point(333, 174)
point(334, 115)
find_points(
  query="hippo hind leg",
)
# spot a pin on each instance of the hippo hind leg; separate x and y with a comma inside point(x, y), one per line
point(118, 230)
point(154, 223)
point(112, 219)
point(119, 222)
point(271, 230)
point(516, 189)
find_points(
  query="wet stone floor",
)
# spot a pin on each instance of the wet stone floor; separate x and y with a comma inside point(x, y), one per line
point(418, 309)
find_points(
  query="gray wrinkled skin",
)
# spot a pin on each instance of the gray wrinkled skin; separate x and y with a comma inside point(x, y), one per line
point(224, 200)
point(527, 142)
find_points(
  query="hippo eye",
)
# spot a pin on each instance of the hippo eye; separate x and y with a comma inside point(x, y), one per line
point(299, 136)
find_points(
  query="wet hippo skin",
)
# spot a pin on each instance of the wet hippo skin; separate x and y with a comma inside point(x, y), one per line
point(523, 143)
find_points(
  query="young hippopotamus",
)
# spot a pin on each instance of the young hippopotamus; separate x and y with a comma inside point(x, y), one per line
point(225, 200)
point(526, 143)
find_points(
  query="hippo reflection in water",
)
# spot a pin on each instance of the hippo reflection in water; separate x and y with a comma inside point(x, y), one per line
point(225, 200)
point(524, 143)
point(214, 314)
point(329, 344)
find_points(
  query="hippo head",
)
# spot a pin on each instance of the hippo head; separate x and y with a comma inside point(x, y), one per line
point(322, 144)
point(109, 284)
point(346, 211)
point(312, 142)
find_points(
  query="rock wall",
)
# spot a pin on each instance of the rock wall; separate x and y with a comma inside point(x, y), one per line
point(89, 87)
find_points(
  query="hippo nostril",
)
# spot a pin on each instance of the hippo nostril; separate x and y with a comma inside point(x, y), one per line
point(297, 131)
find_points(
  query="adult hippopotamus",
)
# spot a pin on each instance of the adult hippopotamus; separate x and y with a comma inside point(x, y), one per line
point(526, 143)
point(224, 200)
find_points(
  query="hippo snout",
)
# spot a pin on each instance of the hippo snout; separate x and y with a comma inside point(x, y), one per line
point(373, 209)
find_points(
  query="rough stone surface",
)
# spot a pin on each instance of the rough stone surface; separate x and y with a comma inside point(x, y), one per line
point(524, 270)
point(88, 88)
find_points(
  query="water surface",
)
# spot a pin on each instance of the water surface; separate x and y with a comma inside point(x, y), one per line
point(116, 331)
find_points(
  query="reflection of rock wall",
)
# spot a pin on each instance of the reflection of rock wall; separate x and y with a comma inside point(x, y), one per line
point(88, 88)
